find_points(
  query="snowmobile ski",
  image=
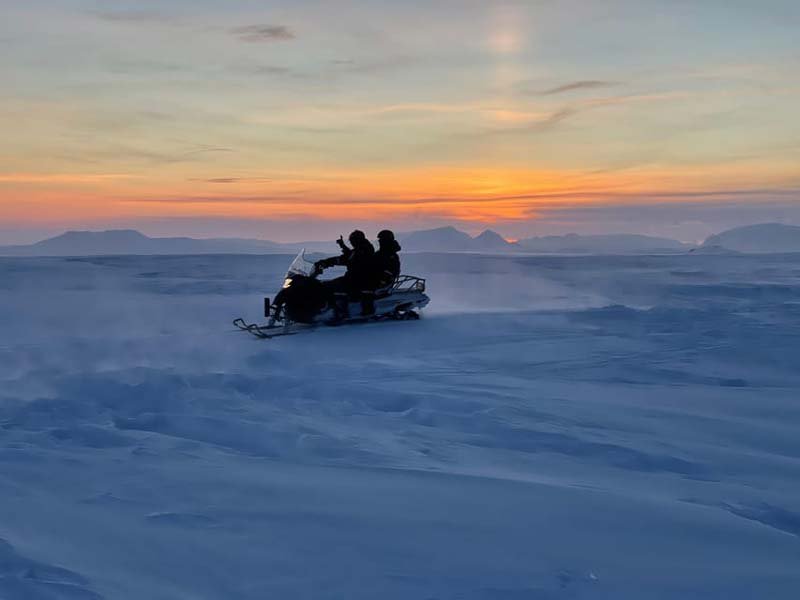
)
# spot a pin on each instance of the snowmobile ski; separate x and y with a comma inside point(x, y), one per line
point(265, 332)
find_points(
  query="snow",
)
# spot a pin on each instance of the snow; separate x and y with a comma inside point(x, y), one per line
point(554, 427)
point(601, 244)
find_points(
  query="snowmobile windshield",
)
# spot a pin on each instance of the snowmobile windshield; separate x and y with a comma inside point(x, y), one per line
point(300, 266)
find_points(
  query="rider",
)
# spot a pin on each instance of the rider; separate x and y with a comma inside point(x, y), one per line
point(387, 262)
point(385, 270)
point(359, 263)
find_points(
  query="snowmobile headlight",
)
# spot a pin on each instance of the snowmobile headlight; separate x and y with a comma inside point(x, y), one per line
point(287, 282)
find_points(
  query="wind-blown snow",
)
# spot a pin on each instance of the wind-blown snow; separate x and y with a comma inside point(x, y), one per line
point(554, 427)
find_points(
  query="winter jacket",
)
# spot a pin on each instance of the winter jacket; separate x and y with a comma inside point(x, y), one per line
point(359, 262)
point(387, 263)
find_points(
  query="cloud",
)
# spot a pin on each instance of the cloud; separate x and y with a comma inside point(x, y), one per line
point(62, 178)
point(115, 152)
point(219, 180)
point(135, 17)
point(274, 70)
point(131, 66)
point(555, 118)
point(541, 124)
point(578, 85)
point(370, 66)
point(585, 200)
point(231, 179)
point(545, 122)
point(263, 33)
point(202, 148)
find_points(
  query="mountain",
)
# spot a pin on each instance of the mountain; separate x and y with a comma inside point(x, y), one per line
point(761, 238)
point(122, 241)
point(491, 241)
point(128, 241)
point(441, 239)
point(602, 244)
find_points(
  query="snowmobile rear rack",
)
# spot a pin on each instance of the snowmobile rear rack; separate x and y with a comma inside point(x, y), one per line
point(407, 283)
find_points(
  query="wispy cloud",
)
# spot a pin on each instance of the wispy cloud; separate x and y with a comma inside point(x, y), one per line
point(136, 17)
point(203, 148)
point(274, 70)
point(117, 152)
point(263, 33)
point(534, 123)
point(539, 124)
point(377, 65)
point(129, 66)
point(555, 118)
point(62, 178)
point(578, 85)
point(602, 199)
point(231, 179)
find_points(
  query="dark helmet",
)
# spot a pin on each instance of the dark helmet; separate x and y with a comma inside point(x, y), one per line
point(386, 241)
point(357, 237)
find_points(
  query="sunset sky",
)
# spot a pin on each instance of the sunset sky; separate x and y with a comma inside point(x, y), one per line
point(289, 119)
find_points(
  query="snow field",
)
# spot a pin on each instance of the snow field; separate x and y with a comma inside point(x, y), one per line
point(555, 427)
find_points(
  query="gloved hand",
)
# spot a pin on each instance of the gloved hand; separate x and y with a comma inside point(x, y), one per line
point(341, 243)
point(318, 268)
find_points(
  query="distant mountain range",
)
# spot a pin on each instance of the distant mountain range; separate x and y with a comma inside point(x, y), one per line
point(128, 241)
point(761, 238)
point(449, 239)
point(768, 237)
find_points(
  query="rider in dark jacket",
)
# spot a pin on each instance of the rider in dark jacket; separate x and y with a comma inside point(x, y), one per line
point(359, 261)
point(387, 262)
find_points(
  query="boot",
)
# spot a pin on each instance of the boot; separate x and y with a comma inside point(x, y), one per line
point(367, 304)
point(341, 306)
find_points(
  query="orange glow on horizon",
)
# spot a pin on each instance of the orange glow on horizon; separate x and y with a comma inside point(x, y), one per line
point(465, 194)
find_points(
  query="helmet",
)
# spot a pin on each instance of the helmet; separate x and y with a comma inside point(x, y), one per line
point(387, 242)
point(357, 237)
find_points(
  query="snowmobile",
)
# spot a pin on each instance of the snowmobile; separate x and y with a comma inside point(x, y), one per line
point(304, 303)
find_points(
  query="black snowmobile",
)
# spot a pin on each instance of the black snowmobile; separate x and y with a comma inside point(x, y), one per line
point(303, 302)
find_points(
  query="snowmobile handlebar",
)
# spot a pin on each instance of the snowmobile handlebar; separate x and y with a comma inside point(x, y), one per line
point(325, 263)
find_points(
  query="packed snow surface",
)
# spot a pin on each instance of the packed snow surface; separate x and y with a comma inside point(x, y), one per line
point(554, 427)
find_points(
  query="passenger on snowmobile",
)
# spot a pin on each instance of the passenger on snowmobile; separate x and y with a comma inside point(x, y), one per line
point(359, 262)
point(387, 262)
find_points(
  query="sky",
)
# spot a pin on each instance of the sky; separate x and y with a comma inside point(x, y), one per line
point(293, 120)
